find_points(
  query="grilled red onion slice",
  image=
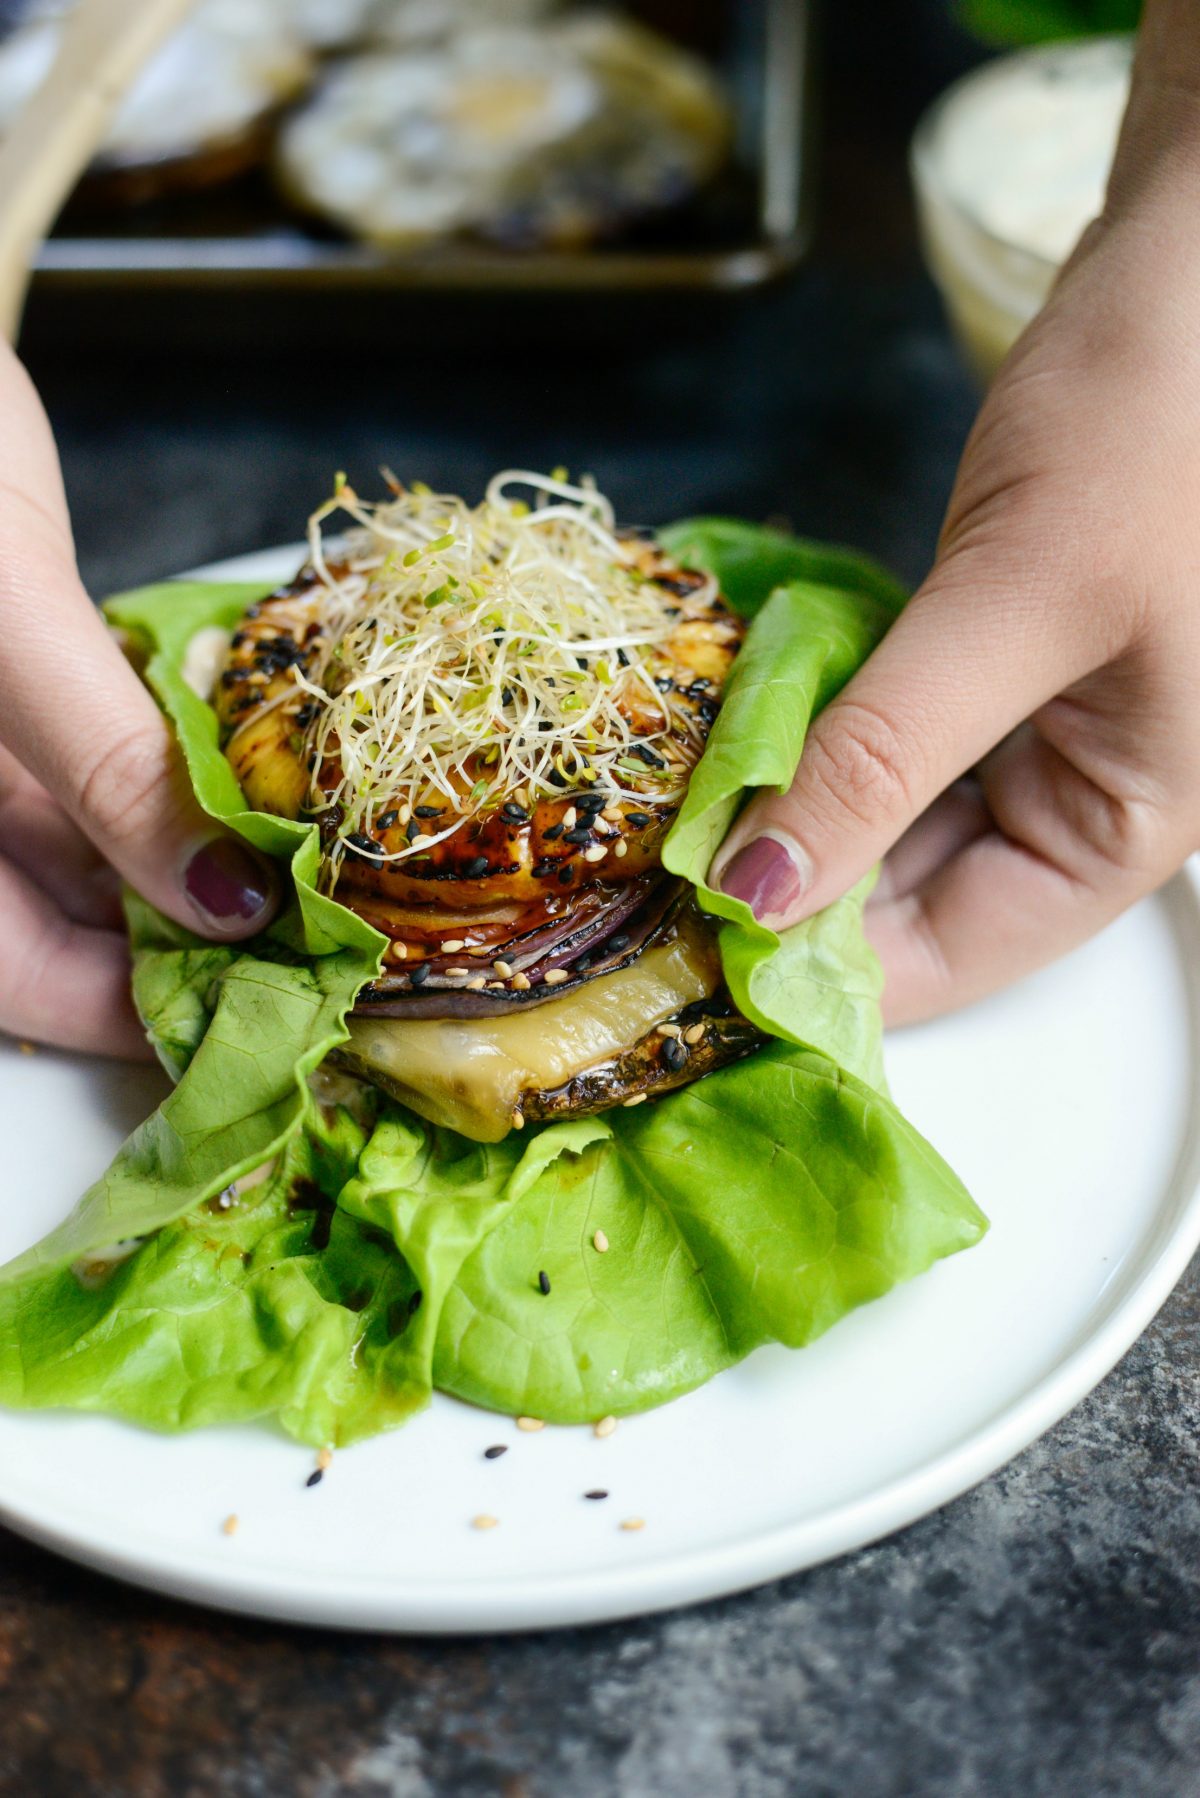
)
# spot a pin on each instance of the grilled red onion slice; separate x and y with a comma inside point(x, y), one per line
point(582, 950)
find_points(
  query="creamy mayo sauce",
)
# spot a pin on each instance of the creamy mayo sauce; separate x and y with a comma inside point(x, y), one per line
point(1010, 167)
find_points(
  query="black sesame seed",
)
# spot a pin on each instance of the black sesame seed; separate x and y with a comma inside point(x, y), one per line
point(494, 1454)
point(564, 876)
point(622, 659)
point(645, 754)
point(664, 683)
point(315, 1478)
point(620, 941)
point(581, 834)
point(591, 802)
point(362, 845)
point(237, 639)
point(412, 829)
point(700, 683)
point(427, 811)
point(545, 868)
point(553, 832)
point(477, 867)
point(583, 964)
point(385, 820)
point(516, 814)
point(708, 709)
point(598, 1493)
point(582, 662)
point(674, 1054)
point(556, 779)
point(544, 1283)
point(506, 698)
point(419, 975)
point(550, 681)
point(545, 724)
point(638, 819)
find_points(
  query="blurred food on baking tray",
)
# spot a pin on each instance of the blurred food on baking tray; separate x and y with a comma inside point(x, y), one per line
point(520, 122)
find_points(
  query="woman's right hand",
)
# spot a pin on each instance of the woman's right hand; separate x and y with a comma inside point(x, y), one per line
point(92, 788)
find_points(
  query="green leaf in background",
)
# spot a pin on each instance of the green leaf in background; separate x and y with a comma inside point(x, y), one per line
point(1004, 22)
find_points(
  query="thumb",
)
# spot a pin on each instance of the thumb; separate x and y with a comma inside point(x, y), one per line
point(959, 669)
point(76, 715)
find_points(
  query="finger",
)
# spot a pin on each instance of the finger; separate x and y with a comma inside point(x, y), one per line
point(76, 716)
point(962, 666)
point(61, 983)
point(41, 840)
point(952, 821)
point(1047, 877)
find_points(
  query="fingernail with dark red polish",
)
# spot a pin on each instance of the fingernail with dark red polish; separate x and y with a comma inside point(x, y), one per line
point(229, 885)
point(770, 878)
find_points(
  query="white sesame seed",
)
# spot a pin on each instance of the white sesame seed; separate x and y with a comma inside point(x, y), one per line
point(518, 1120)
point(622, 849)
point(522, 797)
point(633, 1523)
point(325, 1460)
point(530, 1424)
point(555, 976)
point(695, 1034)
point(600, 1242)
point(504, 969)
point(229, 1527)
point(398, 952)
point(670, 1030)
point(605, 1427)
point(420, 841)
point(569, 817)
point(596, 853)
point(520, 982)
point(613, 813)
point(637, 1099)
point(477, 985)
point(484, 1522)
point(603, 827)
point(453, 948)
point(458, 970)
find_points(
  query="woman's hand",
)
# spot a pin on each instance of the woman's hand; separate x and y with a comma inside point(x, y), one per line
point(91, 787)
point(1054, 650)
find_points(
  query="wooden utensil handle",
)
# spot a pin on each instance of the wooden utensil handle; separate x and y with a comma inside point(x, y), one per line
point(104, 45)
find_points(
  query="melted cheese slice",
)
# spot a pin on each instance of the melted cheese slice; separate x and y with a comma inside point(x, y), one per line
point(470, 1074)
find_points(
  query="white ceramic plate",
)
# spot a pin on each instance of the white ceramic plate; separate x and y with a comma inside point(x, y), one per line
point(1066, 1104)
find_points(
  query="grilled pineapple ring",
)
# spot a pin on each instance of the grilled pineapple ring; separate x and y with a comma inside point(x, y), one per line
point(515, 855)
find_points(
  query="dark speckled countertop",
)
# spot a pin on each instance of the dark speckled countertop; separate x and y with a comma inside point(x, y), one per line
point(1039, 1636)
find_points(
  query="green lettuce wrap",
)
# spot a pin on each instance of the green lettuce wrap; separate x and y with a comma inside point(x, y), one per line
point(276, 1244)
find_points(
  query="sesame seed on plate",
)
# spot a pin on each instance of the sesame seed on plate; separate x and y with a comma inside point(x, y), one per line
point(484, 1522)
point(600, 1242)
point(315, 1477)
point(530, 1424)
point(605, 1427)
point(633, 1523)
point(325, 1459)
point(598, 1493)
point(494, 1453)
point(229, 1527)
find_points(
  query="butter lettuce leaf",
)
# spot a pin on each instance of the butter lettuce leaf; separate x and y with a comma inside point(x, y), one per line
point(377, 1258)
